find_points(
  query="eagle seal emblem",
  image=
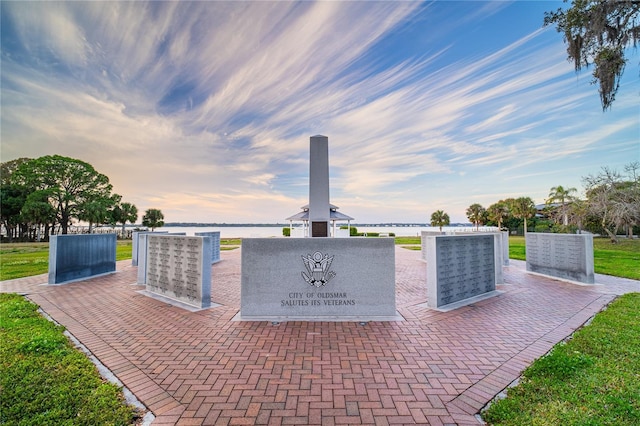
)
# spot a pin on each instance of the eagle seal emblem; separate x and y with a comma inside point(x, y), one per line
point(318, 273)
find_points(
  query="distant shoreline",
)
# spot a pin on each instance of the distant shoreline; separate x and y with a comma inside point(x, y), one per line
point(274, 225)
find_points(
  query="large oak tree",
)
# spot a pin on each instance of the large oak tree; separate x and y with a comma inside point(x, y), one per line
point(597, 32)
point(70, 184)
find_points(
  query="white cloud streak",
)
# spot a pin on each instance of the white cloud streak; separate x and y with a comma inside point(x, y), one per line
point(200, 106)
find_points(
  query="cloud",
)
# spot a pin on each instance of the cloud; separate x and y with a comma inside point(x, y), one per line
point(208, 106)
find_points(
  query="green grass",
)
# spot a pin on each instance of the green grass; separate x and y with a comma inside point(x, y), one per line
point(408, 240)
point(593, 379)
point(44, 380)
point(19, 260)
point(620, 260)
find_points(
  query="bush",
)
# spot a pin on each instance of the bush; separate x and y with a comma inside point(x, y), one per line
point(286, 231)
point(353, 231)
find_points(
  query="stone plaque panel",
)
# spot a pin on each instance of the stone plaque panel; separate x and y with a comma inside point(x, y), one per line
point(319, 229)
point(76, 257)
point(215, 244)
point(179, 267)
point(318, 278)
point(460, 267)
point(136, 246)
point(566, 256)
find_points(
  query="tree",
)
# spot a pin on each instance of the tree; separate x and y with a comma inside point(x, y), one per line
point(475, 214)
point(70, 184)
point(523, 208)
point(123, 213)
point(562, 196)
point(440, 219)
point(12, 199)
point(497, 212)
point(597, 32)
point(97, 210)
point(37, 211)
point(579, 211)
point(615, 199)
point(153, 218)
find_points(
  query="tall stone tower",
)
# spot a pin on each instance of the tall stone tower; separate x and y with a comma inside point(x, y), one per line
point(319, 207)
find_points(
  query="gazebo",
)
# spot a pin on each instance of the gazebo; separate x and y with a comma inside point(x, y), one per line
point(334, 216)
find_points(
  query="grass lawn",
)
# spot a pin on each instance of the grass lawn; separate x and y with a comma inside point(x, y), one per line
point(44, 380)
point(593, 379)
point(620, 260)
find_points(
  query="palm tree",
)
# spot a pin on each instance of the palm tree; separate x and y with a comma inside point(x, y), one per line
point(563, 196)
point(123, 213)
point(523, 208)
point(439, 218)
point(498, 212)
point(475, 213)
point(153, 218)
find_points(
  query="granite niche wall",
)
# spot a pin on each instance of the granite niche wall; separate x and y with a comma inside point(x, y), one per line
point(462, 268)
point(76, 257)
point(177, 267)
point(565, 256)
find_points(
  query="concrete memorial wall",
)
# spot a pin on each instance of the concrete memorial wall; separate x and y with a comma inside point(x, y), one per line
point(76, 257)
point(142, 253)
point(565, 256)
point(502, 245)
point(461, 268)
point(135, 244)
point(505, 248)
point(318, 279)
point(179, 268)
point(423, 241)
point(214, 237)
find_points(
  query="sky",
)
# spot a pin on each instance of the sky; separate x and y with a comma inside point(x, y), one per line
point(204, 109)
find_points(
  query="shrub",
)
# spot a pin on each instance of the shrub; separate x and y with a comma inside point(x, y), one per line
point(286, 231)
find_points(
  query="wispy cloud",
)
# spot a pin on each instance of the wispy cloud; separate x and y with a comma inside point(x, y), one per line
point(198, 107)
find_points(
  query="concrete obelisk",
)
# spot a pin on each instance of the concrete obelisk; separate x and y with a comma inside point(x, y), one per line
point(319, 208)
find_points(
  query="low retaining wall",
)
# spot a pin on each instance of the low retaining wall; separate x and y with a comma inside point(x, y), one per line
point(76, 257)
point(565, 256)
point(318, 279)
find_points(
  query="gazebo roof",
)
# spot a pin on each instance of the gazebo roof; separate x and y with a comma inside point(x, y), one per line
point(333, 215)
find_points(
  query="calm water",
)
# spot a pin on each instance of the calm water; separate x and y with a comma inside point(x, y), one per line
point(268, 231)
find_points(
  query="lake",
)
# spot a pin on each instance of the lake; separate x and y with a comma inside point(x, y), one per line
point(276, 231)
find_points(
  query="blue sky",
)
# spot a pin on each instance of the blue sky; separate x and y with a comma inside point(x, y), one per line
point(204, 109)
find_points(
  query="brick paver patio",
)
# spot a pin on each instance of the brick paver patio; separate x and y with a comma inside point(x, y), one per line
point(432, 368)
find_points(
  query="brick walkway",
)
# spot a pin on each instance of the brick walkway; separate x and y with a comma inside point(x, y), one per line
point(433, 368)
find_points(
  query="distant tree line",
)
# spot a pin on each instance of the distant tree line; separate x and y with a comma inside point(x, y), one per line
point(42, 196)
point(611, 206)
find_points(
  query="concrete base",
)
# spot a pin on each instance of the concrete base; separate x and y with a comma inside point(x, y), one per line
point(344, 318)
point(465, 302)
point(174, 302)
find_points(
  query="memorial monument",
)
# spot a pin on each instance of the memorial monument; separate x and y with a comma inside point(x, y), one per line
point(462, 268)
point(318, 278)
point(77, 257)
point(177, 268)
point(565, 256)
point(319, 213)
